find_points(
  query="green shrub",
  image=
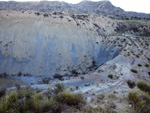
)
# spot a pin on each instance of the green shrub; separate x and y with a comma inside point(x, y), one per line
point(70, 99)
point(134, 70)
point(26, 100)
point(39, 103)
point(131, 84)
point(146, 65)
point(140, 65)
point(9, 102)
point(12, 97)
point(142, 85)
point(140, 101)
point(110, 76)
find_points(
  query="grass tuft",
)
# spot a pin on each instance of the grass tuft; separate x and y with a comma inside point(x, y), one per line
point(70, 99)
point(142, 85)
point(140, 101)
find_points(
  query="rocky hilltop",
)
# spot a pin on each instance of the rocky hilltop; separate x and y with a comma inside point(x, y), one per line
point(88, 7)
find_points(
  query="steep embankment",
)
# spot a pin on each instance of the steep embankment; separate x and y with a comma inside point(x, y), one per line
point(45, 44)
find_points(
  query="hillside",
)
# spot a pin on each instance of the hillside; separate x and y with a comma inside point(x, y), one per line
point(73, 58)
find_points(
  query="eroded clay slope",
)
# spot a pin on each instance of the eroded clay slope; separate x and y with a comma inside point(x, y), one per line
point(45, 44)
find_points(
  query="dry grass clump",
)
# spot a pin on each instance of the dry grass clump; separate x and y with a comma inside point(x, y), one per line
point(140, 101)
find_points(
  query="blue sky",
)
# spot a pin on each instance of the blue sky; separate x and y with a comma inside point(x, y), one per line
point(127, 5)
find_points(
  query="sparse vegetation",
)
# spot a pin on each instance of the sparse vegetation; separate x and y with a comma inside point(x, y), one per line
point(28, 100)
